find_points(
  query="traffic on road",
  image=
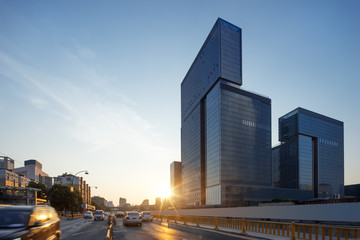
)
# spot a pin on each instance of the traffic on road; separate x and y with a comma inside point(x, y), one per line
point(84, 228)
point(42, 223)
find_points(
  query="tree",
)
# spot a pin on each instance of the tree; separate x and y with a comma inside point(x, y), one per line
point(44, 190)
point(61, 198)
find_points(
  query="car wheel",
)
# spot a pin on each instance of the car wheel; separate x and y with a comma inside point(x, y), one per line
point(140, 224)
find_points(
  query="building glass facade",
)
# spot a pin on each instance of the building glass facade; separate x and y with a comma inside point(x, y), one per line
point(312, 153)
point(238, 143)
point(220, 56)
point(275, 155)
point(226, 131)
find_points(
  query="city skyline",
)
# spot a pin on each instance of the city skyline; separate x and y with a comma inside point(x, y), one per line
point(103, 94)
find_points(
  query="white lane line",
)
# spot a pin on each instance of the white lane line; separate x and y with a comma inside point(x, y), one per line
point(158, 229)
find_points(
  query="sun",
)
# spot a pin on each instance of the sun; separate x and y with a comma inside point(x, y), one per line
point(163, 192)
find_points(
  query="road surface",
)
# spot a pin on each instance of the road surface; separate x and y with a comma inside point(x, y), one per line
point(84, 229)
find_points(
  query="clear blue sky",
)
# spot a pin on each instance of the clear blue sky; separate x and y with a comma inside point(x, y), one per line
point(95, 85)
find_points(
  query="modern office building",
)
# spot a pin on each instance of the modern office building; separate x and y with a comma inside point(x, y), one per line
point(311, 154)
point(225, 130)
point(175, 183)
point(275, 155)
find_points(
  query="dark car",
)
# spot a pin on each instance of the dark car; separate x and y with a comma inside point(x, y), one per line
point(119, 214)
point(29, 222)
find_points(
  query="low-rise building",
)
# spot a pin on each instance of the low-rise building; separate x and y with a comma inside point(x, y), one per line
point(33, 170)
point(76, 182)
point(6, 163)
point(8, 178)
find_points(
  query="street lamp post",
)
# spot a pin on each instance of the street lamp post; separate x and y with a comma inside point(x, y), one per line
point(72, 190)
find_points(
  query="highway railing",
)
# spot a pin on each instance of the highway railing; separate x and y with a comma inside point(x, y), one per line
point(289, 230)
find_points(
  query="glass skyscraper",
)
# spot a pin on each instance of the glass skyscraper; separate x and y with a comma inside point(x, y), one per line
point(311, 156)
point(225, 130)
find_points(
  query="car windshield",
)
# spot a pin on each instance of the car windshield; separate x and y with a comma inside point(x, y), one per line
point(98, 212)
point(14, 219)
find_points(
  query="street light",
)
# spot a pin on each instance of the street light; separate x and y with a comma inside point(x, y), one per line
point(72, 189)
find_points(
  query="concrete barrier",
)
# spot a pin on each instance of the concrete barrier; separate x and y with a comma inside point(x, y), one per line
point(337, 212)
point(109, 233)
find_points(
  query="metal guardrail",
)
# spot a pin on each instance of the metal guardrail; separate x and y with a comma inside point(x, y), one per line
point(291, 230)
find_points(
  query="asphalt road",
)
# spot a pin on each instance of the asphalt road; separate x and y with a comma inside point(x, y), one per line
point(84, 229)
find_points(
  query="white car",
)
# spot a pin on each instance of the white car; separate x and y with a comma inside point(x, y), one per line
point(146, 216)
point(88, 214)
point(99, 215)
point(132, 218)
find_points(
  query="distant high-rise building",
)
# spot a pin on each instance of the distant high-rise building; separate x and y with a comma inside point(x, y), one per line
point(175, 182)
point(158, 201)
point(311, 156)
point(122, 202)
point(225, 130)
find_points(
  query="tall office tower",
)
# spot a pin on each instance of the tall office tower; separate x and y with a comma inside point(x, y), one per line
point(175, 183)
point(312, 153)
point(225, 131)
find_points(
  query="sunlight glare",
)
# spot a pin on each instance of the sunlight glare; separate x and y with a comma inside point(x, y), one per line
point(163, 192)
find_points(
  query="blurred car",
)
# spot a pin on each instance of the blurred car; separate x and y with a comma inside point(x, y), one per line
point(146, 216)
point(88, 214)
point(39, 222)
point(99, 215)
point(119, 214)
point(132, 218)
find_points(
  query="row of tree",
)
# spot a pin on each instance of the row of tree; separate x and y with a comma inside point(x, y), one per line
point(60, 196)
